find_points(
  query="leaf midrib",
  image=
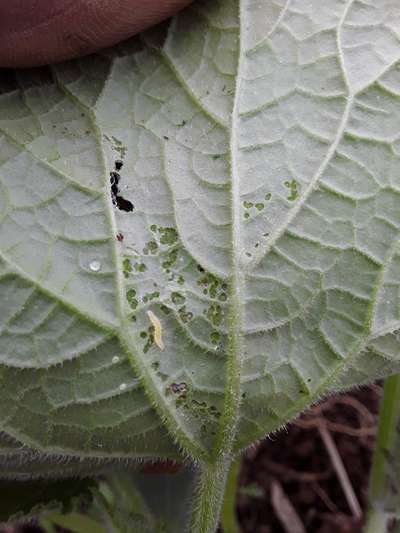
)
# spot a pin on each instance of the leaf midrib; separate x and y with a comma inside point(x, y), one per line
point(229, 420)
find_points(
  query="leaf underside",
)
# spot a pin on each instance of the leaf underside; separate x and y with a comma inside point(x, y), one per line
point(237, 173)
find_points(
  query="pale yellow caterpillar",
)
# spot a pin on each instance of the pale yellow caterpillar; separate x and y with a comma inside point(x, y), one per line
point(157, 329)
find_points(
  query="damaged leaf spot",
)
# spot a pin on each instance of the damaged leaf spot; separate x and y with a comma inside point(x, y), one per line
point(179, 388)
point(292, 186)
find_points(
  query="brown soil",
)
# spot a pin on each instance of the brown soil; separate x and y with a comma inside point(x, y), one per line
point(298, 459)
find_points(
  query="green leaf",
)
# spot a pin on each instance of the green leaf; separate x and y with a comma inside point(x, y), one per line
point(124, 502)
point(167, 496)
point(254, 158)
point(21, 500)
point(75, 522)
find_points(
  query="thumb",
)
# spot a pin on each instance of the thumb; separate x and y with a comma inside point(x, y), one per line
point(38, 32)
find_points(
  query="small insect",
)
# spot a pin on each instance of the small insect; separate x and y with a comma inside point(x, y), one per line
point(157, 329)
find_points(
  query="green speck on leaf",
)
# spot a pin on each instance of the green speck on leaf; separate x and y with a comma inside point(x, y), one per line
point(177, 298)
point(168, 235)
point(292, 186)
point(214, 314)
point(151, 296)
point(126, 267)
point(171, 259)
point(140, 267)
point(185, 316)
point(150, 247)
point(215, 337)
point(131, 297)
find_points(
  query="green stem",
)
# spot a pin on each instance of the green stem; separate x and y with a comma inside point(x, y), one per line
point(381, 486)
point(377, 522)
point(210, 491)
point(228, 514)
point(211, 488)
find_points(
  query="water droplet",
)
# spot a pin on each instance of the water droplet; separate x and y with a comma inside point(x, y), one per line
point(95, 266)
point(115, 360)
point(122, 387)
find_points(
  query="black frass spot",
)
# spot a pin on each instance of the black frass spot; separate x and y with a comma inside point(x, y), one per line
point(117, 199)
point(123, 204)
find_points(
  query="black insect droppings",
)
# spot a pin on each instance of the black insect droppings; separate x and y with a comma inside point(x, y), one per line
point(123, 204)
point(119, 164)
point(117, 199)
point(166, 138)
point(114, 178)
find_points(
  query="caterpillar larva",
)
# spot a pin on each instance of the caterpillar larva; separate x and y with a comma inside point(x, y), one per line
point(157, 329)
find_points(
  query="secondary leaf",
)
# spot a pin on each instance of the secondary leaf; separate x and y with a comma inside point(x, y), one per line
point(123, 502)
point(24, 500)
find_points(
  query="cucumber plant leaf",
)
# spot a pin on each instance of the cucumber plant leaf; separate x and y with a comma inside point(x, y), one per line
point(22, 500)
point(199, 233)
point(126, 501)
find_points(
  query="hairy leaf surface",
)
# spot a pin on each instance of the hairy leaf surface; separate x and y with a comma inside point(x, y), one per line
point(199, 230)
